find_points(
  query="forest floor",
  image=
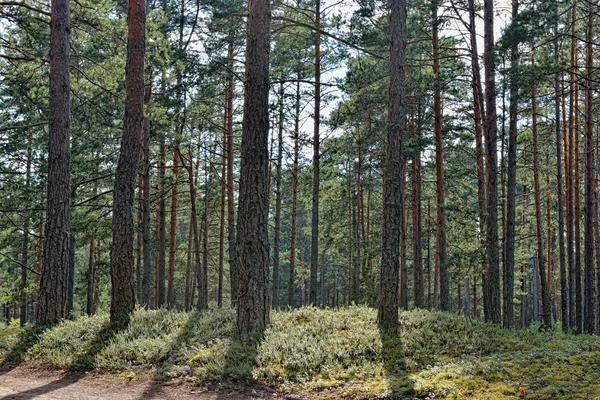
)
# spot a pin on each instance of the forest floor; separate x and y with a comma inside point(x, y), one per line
point(305, 353)
point(26, 383)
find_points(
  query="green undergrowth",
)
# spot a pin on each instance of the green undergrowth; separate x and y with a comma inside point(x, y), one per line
point(328, 354)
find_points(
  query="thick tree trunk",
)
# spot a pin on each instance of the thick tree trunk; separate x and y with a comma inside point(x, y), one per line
point(588, 232)
point(392, 170)
point(492, 277)
point(252, 255)
point(314, 252)
point(121, 254)
point(52, 298)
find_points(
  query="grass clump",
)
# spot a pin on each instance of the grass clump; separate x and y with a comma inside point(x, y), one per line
point(329, 353)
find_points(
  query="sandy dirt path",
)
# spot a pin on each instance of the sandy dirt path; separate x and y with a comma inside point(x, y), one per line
point(21, 383)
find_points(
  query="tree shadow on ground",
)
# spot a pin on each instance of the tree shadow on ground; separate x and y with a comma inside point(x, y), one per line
point(27, 338)
point(392, 353)
point(229, 370)
point(83, 362)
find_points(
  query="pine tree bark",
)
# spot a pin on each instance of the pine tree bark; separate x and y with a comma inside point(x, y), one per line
point(173, 231)
point(231, 240)
point(392, 170)
point(252, 248)
point(52, 297)
point(492, 277)
point(294, 194)
point(314, 252)
point(541, 258)
point(121, 254)
point(416, 215)
point(277, 230)
point(588, 220)
point(440, 245)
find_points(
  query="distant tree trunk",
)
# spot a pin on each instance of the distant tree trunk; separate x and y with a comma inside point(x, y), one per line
point(294, 194)
point(173, 231)
point(252, 255)
point(479, 119)
point(511, 205)
point(189, 272)
point(356, 217)
point(578, 311)
point(393, 170)
point(205, 225)
point(231, 241)
point(417, 224)
point(441, 252)
point(162, 231)
point(121, 254)
point(314, 252)
point(559, 180)
point(524, 306)
point(492, 278)
point(541, 264)
point(25, 244)
point(569, 297)
point(147, 276)
point(588, 232)
point(222, 220)
point(91, 272)
point(277, 231)
point(139, 233)
point(71, 272)
point(52, 298)
point(403, 299)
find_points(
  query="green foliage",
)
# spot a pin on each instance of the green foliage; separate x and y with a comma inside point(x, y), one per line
point(335, 353)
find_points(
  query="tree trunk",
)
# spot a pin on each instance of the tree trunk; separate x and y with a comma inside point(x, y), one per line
point(511, 205)
point(294, 195)
point(25, 244)
point(541, 258)
point(91, 272)
point(417, 224)
point(492, 277)
point(277, 231)
point(173, 231)
point(162, 231)
point(121, 254)
point(147, 275)
point(569, 297)
point(440, 244)
point(588, 232)
point(231, 240)
point(578, 311)
point(252, 255)
point(314, 252)
point(52, 298)
point(393, 170)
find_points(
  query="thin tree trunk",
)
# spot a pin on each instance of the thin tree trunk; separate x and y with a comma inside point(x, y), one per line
point(91, 272)
point(578, 311)
point(314, 252)
point(588, 232)
point(417, 224)
point(162, 231)
point(173, 231)
point(541, 267)
point(511, 205)
point(25, 244)
point(147, 275)
point(294, 195)
point(393, 170)
point(569, 297)
point(441, 252)
point(52, 298)
point(121, 254)
point(277, 230)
